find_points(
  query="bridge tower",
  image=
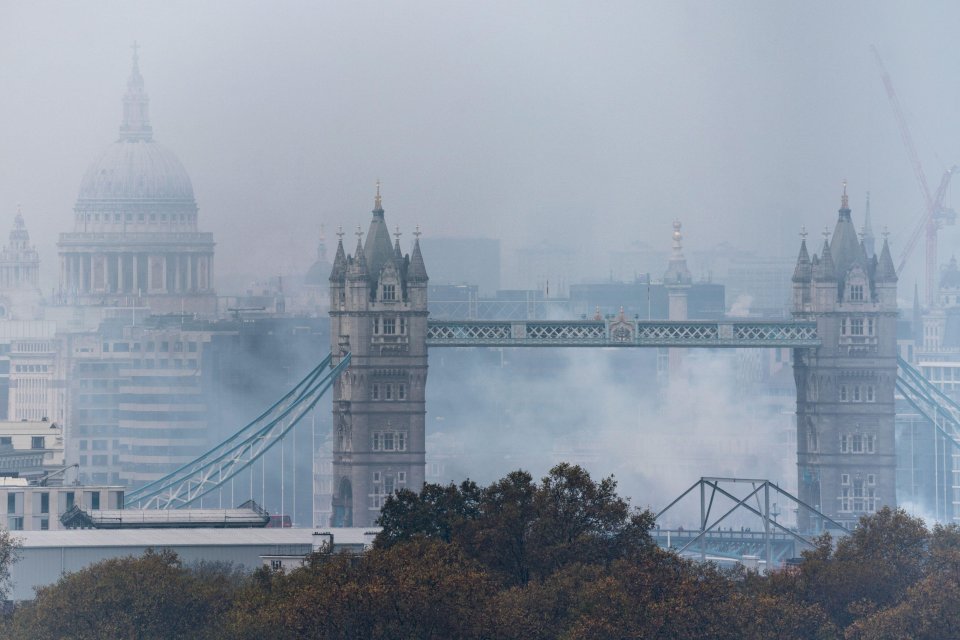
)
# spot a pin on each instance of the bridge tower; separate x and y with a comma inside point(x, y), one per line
point(845, 406)
point(378, 312)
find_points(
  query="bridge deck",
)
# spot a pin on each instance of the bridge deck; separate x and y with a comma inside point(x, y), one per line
point(621, 333)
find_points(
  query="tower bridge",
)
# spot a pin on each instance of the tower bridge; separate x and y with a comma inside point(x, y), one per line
point(843, 337)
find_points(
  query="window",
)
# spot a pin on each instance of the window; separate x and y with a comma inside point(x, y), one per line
point(856, 393)
point(16, 524)
point(871, 479)
point(401, 392)
point(844, 478)
point(389, 326)
point(869, 326)
point(69, 500)
point(11, 503)
point(376, 326)
point(856, 326)
point(6, 441)
point(843, 393)
point(95, 500)
point(856, 293)
point(44, 503)
point(844, 443)
point(388, 392)
point(845, 499)
point(857, 445)
point(871, 443)
point(871, 393)
point(843, 326)
point(36, 442)
point(403, 325)
point(375, 392)
point(389, 441)
point(389, 292)
point(276, 565)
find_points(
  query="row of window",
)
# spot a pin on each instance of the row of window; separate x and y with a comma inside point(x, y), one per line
point(858, 393)
point(384, 484)
point(150, 346)
point(389, 441)
point(858, 499)
point(141, 217)
point(388, 391)
point(858, 443)
point(32, 368)
point(390, 326)
point(857, 326)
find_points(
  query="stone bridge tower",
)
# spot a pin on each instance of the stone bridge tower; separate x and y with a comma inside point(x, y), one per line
point(845, 388)
point(378, 312)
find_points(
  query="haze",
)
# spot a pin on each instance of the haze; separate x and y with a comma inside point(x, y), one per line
point(582, 125)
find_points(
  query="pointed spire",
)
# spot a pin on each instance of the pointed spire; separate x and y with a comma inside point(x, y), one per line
point(885, 269)
point(826, 271)
point(339, 261)
point(136, 103)
point(359, 259)
point(844, 200)
point(397, 254)
point(377, 201)
point(417, 271)
point(803, 271)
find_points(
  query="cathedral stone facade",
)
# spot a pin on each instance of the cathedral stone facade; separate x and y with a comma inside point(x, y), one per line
point(135, 240)
point(378, 313)
point(845, 388)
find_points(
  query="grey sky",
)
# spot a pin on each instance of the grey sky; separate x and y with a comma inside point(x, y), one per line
point(592, 124)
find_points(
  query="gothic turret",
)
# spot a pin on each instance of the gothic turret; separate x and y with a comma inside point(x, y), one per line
point(845, 387)
point(378, 404)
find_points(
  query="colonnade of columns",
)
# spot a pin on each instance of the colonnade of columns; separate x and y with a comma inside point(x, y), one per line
point(136, 273)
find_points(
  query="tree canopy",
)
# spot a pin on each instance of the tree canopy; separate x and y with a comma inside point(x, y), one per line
point(564, 557)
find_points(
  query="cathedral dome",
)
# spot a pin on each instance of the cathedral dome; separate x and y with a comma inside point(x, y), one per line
point(136, 170)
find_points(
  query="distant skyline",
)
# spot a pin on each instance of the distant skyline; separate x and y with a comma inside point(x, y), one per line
point(577, 124)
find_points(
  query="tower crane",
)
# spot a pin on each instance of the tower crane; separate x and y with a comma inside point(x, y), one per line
point(935, 215)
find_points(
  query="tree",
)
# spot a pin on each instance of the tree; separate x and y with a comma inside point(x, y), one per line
point(518, 529)
point(151, 596)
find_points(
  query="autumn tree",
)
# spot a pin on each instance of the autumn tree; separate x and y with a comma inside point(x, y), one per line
point(151, 596)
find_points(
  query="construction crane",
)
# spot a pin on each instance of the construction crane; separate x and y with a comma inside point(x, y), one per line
point(935, 215)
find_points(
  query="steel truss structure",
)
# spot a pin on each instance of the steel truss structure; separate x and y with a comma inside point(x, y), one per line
point(937, 407)
point(210, 471)
point(776, 542)
point(620, 332)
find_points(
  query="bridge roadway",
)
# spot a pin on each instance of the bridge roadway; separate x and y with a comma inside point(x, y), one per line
point(621, 332)
point(729, 544)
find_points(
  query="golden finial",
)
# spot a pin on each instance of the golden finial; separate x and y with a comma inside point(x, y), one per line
point(826, 232)
point(885, 233)
point(803, 233)
point(377, 204)
point(417, 233)
point(844, 201)
point(359, 233)
point(340, 232)
point(396, 233)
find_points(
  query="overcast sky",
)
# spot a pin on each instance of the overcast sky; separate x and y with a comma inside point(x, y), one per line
point(591, 124)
